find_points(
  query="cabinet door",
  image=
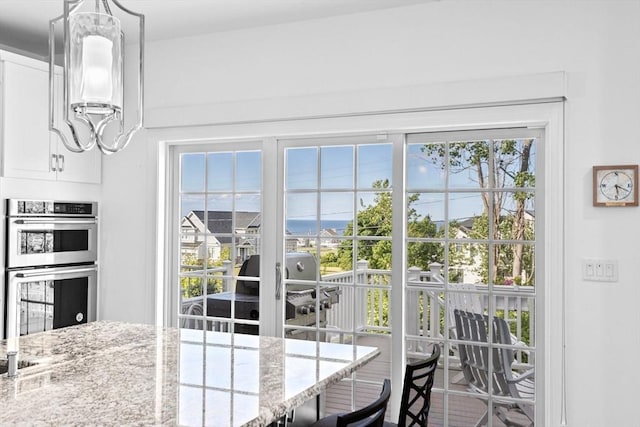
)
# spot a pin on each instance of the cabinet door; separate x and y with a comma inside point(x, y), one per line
point(30, 149)
point(27, 150)
point(79, 167)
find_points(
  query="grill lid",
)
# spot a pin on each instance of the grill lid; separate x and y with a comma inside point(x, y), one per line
point(299, 266)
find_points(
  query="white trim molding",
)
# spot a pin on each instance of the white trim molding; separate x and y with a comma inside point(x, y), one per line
point(506, 90)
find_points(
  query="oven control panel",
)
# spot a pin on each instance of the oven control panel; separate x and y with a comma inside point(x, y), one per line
point(50, 208)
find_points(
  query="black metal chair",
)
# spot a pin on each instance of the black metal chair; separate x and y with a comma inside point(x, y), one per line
point(416, 391)
point(369, 416)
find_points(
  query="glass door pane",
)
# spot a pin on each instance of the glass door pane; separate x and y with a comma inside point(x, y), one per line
point(338, 231)
point(465, 214)
point(471, 257)
point(220, 219)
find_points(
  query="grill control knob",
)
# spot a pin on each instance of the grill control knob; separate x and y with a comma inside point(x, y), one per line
point(312, 308)
point(327, 304)
point(303, 310)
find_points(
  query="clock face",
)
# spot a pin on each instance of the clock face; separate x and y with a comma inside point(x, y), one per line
point(615, 186)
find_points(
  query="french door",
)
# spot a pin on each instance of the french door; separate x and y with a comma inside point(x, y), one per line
point(337, 196)
point(472, 242)
point(311, 277)
point(220, 219)
point(371, 240)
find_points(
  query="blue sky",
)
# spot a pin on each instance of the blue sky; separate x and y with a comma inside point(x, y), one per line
point(346, 172)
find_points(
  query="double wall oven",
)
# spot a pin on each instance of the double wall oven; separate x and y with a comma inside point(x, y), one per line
point(51, 270)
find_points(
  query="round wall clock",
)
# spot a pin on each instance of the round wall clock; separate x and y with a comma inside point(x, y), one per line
point(615, 185)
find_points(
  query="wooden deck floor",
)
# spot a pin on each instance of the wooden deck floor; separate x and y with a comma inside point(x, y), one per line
point(463, 411)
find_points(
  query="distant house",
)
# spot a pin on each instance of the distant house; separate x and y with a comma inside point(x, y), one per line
point(465, 227)
point(328, 239)
point(220, 232)
point(468, 271)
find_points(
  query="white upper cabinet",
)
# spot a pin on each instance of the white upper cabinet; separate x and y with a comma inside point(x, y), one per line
point(30, 150)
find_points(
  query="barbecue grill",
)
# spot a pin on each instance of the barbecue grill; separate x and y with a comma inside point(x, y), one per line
point(300, 308)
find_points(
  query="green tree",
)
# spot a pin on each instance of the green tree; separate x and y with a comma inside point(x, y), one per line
point(504, 254)
point(329, 258)
point(376, 220)
point(373, 220)
point(421, 254)
point(192, 286)
point(495, 164)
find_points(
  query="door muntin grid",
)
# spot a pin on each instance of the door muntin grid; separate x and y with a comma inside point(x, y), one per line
point(220, 204)
point(471, 245)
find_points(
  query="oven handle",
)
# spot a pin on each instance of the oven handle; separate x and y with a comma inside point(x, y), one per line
point(55, 221)
point(48, 272)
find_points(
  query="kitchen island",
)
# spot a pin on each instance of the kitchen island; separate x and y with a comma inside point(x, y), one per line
point(113, 373)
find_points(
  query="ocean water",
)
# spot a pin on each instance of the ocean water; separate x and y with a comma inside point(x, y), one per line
point(304, 226)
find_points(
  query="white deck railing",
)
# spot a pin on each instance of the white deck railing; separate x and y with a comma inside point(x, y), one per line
point(362, 308)
point(364, 300)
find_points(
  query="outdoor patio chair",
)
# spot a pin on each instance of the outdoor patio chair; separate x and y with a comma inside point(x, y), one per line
point(369, 416)
point(464, 299)
point(416, 391)
point(472, 329)
point(192, 308)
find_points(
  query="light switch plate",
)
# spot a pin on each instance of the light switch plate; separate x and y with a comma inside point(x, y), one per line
point(600, 270)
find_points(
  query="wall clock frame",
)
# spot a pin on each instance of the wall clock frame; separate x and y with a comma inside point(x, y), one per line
point(615, 186)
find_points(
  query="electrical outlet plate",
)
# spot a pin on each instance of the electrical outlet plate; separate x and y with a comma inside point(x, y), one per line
point(600, 270)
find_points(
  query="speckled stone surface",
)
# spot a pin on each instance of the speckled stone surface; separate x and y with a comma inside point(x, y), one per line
point(113, 373)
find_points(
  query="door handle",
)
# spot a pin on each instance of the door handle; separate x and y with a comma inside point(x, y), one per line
point(54, 163)
point(61, 166)
point(278, 281)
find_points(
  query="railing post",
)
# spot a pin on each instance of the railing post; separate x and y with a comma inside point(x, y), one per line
point(412, 321)
point(362, 313)
point(436, 272)
point(228, 271)
point(361, 270)
point(436, 276)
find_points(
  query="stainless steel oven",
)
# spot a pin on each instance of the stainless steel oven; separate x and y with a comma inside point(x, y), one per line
point(50, 233)
point(51, 270)
point(40, 299)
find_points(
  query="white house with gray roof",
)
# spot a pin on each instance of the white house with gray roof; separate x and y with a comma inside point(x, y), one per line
point(221, 230)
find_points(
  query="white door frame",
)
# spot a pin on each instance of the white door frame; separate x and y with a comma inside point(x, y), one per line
point(550, 327)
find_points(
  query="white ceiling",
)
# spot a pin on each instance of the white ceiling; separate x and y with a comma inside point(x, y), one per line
point(24, 23)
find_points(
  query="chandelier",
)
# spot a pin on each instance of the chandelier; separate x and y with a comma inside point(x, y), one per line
point(86, 97)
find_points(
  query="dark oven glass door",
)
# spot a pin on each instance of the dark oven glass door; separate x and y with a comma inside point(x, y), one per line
point(49, 241)
point(50, 298)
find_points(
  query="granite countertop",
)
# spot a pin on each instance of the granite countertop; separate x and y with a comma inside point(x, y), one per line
point(113, 373)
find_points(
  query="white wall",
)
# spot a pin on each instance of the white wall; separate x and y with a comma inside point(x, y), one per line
point(597, 44)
